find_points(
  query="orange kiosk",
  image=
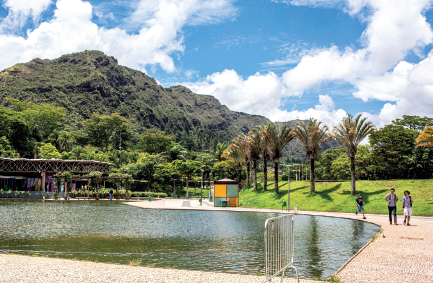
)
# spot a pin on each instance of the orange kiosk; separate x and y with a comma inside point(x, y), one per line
point(226, 193)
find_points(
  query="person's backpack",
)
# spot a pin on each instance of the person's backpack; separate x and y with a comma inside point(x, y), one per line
point(394, 198)
point(410, 201)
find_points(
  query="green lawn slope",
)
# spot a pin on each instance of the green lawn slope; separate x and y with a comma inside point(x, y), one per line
point(335, 197)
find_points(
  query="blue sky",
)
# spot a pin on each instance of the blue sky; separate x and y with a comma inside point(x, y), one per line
point(291, 59)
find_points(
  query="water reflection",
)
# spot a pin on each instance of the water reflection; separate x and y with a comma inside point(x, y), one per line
point(314, 254)
point(199, 240)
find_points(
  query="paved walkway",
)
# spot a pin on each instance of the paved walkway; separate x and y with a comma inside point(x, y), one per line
point(26, 269)
point(398, 254)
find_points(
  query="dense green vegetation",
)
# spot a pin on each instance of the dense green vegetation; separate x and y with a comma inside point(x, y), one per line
point(335, 197)
point(84, 106)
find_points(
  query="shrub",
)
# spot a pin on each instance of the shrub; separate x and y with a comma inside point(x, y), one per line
point(148, 194)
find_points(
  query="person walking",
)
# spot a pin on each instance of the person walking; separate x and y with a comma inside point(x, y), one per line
point(407, 207)
point(392, 199)
point(360, 205)
point(111, 193)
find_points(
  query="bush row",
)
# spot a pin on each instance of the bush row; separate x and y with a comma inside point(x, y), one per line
point(148, 194)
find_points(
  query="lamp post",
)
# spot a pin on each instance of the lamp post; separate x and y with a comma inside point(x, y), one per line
point(187, 187)
point(119, 148)
point(202, 179)
point(288, 184)
point(209, 185)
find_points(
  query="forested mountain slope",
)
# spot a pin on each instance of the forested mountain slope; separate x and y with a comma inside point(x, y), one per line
point(91, 82)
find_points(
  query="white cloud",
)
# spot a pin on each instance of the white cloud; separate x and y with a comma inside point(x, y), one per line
point(261, 94)
point(324, 112)
point(409, 85)
point(257, 94)
point(395, 28)
point(20, 11)
point(71, 30)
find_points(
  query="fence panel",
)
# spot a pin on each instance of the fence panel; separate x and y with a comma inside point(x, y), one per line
point(279, 246)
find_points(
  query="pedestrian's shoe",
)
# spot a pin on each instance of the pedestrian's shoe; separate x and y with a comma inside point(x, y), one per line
point(408, 224)
point(356, 212)
point(364, 217)
point(395, 223)
point(391, 222)
point(404, 222)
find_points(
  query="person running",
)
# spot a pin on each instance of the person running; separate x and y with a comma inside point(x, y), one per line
point(360, 205)
point(407, 205)
point(392, 199)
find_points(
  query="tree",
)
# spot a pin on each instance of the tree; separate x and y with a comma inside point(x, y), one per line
point(277, 138)
point(264, 154)
point(62, 140)
point(324, 163)
point(413, 122)
point(253, 140)
point(48, 151)
point(220, 148)
point(106, 130)
point(312, 136)
point(425, 138)
point(176, 152)
point(6, 150)
point(242, 144)
point(350, 132)
point(44, 117)
point(155, 142)
point(225, 169)
point(236, 153)
point(392, 148)
point(17, 131)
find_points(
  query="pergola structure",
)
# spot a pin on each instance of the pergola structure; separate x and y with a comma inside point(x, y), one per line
point(13, 169)
point(21, 165)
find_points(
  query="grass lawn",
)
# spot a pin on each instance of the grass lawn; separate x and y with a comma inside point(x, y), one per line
point(335, 197)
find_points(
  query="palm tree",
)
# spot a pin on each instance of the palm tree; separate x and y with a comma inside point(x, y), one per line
point(312, 136)
point(253, 140)
point(350, 132)
point(277, 138)
point(425, 139)
point(242, 143)
point(176, 152)
point(66, 141)
point(264, 154)
point(220, 148)
point(236, 153)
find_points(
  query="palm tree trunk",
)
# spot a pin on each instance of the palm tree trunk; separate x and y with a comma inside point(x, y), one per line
point(265, 175)
point(352, 175)
point(313, 186)
point(248, 167)
point(255, 175)
point(276, 178)
point(240, 176)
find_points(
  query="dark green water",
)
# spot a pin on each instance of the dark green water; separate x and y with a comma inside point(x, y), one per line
point(231, 242)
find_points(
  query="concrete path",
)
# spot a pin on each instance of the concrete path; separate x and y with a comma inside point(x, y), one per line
point(398, 254)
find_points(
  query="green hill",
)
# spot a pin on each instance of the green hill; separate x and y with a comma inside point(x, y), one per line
point(89, 82)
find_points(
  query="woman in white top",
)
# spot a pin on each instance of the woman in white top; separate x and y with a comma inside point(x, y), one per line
point(407, 206)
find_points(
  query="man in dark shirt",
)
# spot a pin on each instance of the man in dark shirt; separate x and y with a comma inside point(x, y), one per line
point(360, 205)
point(111, 193)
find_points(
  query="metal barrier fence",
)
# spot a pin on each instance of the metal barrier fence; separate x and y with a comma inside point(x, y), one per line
point(279, 246)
